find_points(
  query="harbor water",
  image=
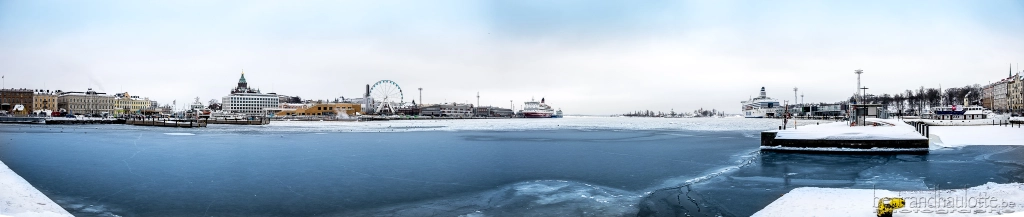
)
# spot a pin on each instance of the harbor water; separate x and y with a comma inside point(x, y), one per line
point(506, 167)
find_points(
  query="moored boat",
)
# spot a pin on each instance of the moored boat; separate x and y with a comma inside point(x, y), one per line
point(760, 107)
point(534, 109)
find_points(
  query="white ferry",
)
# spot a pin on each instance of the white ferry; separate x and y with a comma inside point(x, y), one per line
point(760, 107)
point(534, 109)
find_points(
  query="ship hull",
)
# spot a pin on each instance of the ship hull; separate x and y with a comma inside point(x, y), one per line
point(536, 115)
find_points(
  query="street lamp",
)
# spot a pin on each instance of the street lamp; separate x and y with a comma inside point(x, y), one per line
point(858, 72)
point(864, 94)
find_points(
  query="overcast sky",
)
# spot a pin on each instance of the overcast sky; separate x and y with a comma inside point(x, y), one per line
point(585, 57)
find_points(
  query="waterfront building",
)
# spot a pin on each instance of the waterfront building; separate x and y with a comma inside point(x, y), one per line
point(490, 111)
point(447, 110)
point(250, 101)
point(289, 99)
point(43, 101)
point(430, 110)
point(86, 103)
point(125, 103)
point(999, 93)
point(408, 110)
point(323, 109)
point(16, 101)
point(987, 96)
point(1014, 97)
point(829, 110)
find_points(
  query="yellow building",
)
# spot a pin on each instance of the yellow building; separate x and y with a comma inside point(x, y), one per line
point(323, 109)
point(125, 103)
point(42, 101)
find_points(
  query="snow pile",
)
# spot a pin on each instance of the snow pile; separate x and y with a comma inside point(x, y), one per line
point(18, 198)
point(985, 200)
point(958, 136)
point(888, 130)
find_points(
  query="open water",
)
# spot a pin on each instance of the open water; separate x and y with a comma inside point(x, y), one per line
point(523, 167)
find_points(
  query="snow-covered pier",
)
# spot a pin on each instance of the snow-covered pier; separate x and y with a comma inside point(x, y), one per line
point(19, 198)
point(880, 135)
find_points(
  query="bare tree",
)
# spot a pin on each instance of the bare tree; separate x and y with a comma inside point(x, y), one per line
point(898, 99)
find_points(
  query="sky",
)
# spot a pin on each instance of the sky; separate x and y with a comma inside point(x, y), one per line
point(584, 57)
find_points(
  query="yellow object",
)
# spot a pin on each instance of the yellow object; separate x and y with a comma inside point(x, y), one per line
point(886, 209)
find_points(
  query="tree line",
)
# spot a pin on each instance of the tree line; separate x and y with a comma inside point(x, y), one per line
point(915, 100)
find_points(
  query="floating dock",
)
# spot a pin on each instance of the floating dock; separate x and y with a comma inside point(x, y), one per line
point(881, 135)
point(258, 121)
point(166, 123)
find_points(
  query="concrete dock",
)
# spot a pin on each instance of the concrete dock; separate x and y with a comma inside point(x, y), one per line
point(883, 135)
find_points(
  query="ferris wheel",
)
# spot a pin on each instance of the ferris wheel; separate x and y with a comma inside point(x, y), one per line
point(386, 95)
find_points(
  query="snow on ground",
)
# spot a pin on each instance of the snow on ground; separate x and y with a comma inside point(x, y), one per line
point(19, 198)
point(959, 136)
point(985, 200)
point(891, 130)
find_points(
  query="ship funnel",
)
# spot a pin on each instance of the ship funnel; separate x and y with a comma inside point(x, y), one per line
point(763, 95)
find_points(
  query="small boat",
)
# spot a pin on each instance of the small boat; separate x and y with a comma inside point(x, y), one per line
point(558, 114)
point(960, 116)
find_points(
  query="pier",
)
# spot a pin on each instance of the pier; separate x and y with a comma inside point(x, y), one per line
point(256, 121)
point(166, 123)
point(882, 135)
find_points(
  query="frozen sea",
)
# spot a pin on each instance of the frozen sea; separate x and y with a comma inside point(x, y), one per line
point(574, 166)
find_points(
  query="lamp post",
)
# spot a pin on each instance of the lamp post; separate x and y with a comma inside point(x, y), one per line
point(858, 72)
point(864, 94)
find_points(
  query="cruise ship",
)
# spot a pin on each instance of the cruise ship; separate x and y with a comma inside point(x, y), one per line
point(534, 109)
point(760, 107)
